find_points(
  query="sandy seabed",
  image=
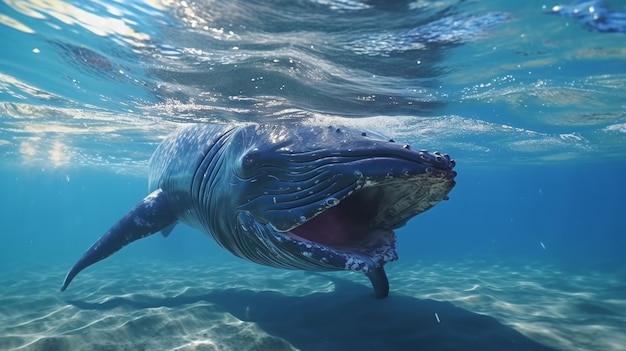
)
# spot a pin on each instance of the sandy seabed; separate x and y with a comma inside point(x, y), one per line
point(208, 305)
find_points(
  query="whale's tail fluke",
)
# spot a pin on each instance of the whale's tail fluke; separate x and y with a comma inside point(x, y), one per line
point(151, 215)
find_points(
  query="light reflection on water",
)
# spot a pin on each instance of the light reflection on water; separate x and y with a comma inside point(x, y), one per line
point(481, 82)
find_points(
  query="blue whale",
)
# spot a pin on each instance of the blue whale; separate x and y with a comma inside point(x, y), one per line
point(290, 196)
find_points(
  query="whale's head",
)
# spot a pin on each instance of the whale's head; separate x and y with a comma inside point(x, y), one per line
point(311, 197)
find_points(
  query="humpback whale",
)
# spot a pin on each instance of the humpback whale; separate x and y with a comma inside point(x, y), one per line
point(302, 197)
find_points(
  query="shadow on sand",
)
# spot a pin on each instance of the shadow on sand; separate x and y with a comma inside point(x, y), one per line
point(350, 318)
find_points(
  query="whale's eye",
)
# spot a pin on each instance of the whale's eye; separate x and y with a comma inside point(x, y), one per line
point(250, 159)
point(248, 163)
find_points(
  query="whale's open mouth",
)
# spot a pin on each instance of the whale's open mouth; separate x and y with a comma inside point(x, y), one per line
point(346, 224)
point(360, 226)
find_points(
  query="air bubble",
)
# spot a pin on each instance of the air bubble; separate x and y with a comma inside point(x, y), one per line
point(331, 201)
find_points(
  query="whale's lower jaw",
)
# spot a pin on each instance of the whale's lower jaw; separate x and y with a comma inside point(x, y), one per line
point(375, 250)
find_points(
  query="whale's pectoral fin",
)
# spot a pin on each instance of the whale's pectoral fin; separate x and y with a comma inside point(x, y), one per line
point(379, 280)
point(149, 216)
point(168, 230)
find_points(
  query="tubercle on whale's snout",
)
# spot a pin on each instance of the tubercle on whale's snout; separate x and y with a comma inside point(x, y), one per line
point(441, 164)
point(408, 163)
point(434, 159)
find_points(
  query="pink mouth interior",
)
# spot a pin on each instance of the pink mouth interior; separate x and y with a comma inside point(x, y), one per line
point(339, 226)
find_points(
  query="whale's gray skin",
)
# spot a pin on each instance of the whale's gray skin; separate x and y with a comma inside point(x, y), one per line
point(291, 196)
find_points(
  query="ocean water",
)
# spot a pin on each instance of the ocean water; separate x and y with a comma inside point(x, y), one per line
point(528, 98)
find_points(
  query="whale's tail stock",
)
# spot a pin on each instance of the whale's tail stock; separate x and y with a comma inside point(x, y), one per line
point(149, 216)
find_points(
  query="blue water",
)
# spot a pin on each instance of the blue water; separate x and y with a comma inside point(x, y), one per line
point(530, 104)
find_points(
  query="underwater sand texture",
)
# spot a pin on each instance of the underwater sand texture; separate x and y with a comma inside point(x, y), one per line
point(205, 305)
